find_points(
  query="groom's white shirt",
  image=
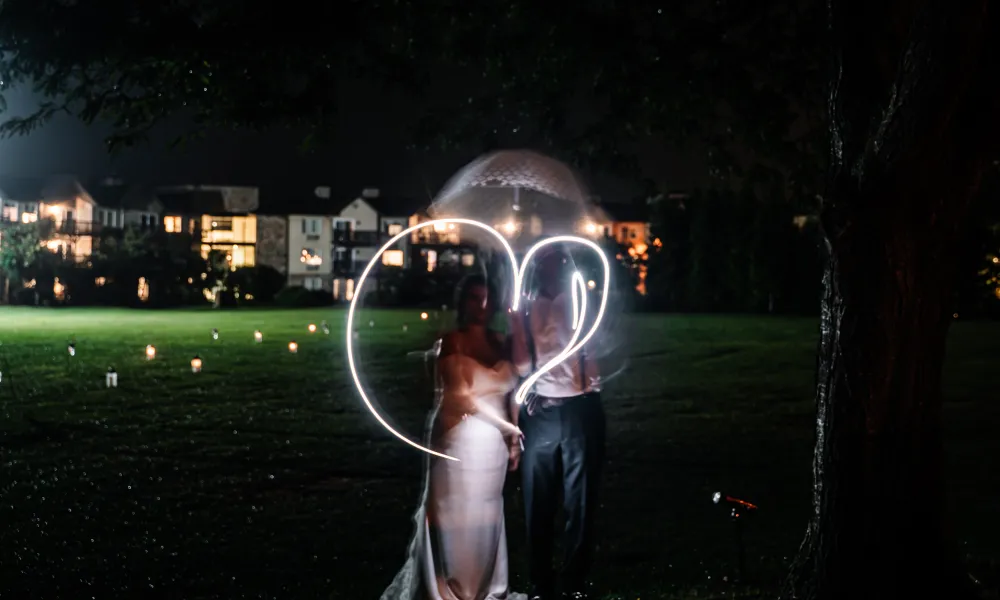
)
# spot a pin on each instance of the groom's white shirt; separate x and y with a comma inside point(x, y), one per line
point(551, 329)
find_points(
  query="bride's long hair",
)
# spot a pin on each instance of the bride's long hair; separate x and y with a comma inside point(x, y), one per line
point(462, 295)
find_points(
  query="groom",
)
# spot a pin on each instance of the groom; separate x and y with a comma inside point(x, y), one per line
point(563, 425)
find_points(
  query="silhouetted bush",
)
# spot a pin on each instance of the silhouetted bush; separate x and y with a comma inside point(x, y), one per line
point(299, 297)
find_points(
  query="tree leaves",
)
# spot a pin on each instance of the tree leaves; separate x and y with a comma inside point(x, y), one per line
point(587, 83)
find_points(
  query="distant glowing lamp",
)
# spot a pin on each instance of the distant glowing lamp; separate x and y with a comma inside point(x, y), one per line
point(591, 284)
point(509, 227)
point(590, 228)
point(423, 316)
point(196, 364)
point(111, 379)
point(312, 328)
point(293, 347)
point(258, 336)
point(72, 349)
point(150, 352)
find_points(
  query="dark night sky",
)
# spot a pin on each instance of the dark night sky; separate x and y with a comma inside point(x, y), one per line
point(368, 151)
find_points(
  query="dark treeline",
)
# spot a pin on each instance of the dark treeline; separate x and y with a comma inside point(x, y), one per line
point(729, 252)
point(712, 252)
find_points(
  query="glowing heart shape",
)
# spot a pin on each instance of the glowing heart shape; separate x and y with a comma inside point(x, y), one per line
point(579, 300)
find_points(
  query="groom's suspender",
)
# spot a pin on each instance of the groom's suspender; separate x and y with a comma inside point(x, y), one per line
point(530, 338)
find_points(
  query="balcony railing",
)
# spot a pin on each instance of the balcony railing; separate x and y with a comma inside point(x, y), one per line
point(436, 238)
point(68, 227)
point(79, 228)
point(356, 238)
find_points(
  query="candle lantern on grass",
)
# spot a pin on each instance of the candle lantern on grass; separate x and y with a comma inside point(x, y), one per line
point(326, 328)
point(72, 349)
point(312, 328)
point(111, 378)
point(258, 336)
point(196, 364)
point(738, 511)
point(293, 347)
point(215, 334)
point(150, 352)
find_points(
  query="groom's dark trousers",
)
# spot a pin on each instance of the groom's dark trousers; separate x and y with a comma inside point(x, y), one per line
point(563, 455)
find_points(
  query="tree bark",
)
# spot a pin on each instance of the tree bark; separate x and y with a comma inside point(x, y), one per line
point(912, 111)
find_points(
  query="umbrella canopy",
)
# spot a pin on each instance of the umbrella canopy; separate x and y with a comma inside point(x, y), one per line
point(523, 194)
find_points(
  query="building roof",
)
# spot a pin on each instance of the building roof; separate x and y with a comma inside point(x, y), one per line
point(394, 206)
point(193, 202)
point(306, 199)
point(116, 194)
point(35, 189)
point(298, 199)
point(623, 212)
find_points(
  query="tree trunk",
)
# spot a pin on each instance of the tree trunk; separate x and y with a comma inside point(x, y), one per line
point(910, 120)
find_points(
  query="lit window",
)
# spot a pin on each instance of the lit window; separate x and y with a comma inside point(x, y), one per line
point(432, 260)
point(311, 226)
point(222, 224)
point(99, 281)
point(395, 229)
point(9, 211)
point(350, 290)
point(468, 260)
point(336, 289)
point(311, 257)
point(439, 227)
point(143, 291)
point(392, 258)
point(172, 224)
point(29, 217)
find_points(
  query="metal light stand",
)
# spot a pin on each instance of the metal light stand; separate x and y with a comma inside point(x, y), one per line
point(739, 511)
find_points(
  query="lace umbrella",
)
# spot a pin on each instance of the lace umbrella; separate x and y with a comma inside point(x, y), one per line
point(523, 194)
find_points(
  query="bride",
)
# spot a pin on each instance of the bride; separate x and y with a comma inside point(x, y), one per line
point(459, 549)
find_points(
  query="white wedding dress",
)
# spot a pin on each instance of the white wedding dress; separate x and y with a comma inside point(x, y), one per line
point(459, 548)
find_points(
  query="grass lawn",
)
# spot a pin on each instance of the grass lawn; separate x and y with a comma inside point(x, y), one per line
point(265, 477)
